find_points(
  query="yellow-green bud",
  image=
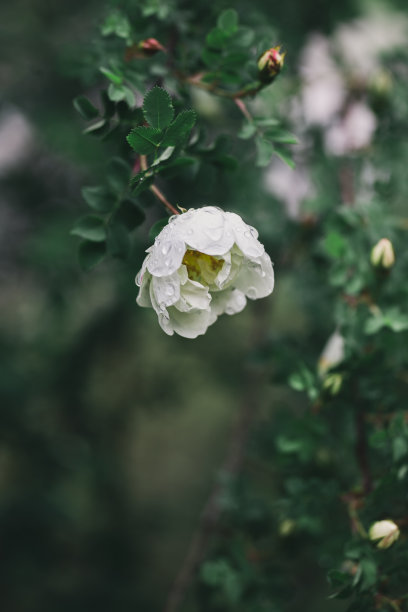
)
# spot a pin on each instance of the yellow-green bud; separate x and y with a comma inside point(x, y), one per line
point(382, 255)
point(384, 532)
point(270, 64)
point(287, 527)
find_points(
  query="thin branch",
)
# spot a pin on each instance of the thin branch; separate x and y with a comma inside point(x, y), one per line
point(242, 107)
point(217, 91)
point(159, 195)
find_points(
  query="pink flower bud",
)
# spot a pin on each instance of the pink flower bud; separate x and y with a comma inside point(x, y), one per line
point(145, 48)
point(270, 64)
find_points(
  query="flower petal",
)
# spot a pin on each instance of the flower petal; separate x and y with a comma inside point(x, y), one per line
point(246, 236)
point(256, 277)
point(193, 295)
point(166, 254)
point(143, 280)
point(205, 230)
point(189, 324)
point(167, 289)
point(230, 301)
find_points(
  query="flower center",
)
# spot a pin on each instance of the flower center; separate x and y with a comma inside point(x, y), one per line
point(201, 267)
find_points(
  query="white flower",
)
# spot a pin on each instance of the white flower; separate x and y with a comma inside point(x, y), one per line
point(386, 532)
point(352, 132)
point(203, 263)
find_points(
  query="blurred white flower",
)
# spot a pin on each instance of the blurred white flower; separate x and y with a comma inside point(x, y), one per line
point(292, 186)
point(16, 139)
point(386, 532)
point(352, 132)
point(204, 263)
point(361, 42)
point(324, 91)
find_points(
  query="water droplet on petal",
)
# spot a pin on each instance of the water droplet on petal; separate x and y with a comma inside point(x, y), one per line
point(229, 310)
point(251, 293)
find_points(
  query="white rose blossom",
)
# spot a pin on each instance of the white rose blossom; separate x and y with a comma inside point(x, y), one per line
point(204, 263)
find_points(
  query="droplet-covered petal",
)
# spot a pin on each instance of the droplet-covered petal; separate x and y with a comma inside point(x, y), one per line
point(230, 301)
point(167, 253)
point(256, 278)
point(206, 230)
point(246, 237)
point(189, 324)
point(166, 289)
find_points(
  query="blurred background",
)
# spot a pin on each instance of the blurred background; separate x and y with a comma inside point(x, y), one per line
point(112, 433)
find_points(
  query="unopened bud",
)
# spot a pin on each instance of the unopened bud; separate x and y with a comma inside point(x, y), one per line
point(382, 255)
point(145, 48)
point(384, 532)
point(332, 354)
point(270, 64)
point(332, 383)
point(287, 527)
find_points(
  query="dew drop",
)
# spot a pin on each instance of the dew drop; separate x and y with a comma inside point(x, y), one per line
point(229, 310)
point(251, 293)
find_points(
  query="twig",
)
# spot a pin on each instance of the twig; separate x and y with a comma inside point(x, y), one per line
point(159, 195)
point(242, 107)
point(217, 91)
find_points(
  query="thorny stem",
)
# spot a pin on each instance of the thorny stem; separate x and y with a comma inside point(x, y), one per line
point(159, 195)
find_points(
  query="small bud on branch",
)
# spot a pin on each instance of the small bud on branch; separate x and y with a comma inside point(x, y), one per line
point(270, 64)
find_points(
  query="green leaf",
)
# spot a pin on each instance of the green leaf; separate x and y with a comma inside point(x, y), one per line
point(285, 157)
point(85, 108)
point(174, 167)
point(129, 214)
point(90, 227)
point(283, 136)
point(119, 172)
point(178, 132)
point(118, 24)
point(91, 253)
point(335, 245)
point(228, 20)
point(217, 38)
point(144, 140)
point(399, 448)
point(141, 182)
point(247, 130)
point(99, 198)
point(157, 228)
point(158, 108)
point(118, 240)
point(115, 78)
point(265, 150)
point(98, 128)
